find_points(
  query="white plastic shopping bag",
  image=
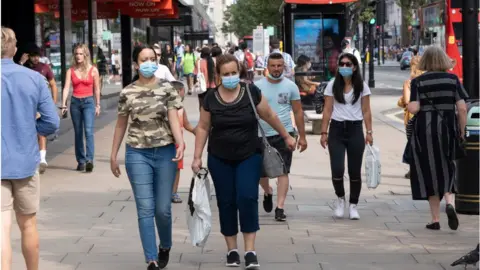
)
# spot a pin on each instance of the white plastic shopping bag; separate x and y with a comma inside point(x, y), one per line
point(373, 168)
point(199, 215)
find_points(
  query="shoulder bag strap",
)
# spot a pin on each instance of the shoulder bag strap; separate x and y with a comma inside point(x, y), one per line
point(264, 138)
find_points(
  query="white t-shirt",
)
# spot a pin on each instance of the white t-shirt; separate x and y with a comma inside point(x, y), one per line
point(164, 73)
point(347, 111)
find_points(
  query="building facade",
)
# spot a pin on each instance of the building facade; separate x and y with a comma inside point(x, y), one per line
point(216, 10)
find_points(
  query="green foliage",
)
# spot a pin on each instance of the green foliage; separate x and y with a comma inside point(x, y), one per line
point(244, 16)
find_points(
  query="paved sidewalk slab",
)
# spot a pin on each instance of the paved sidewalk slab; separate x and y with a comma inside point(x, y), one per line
point(88, 221)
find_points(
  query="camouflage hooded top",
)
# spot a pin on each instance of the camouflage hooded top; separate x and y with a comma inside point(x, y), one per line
point(148, 107)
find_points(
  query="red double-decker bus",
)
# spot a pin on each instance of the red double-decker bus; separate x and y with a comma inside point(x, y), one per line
point(454, 34)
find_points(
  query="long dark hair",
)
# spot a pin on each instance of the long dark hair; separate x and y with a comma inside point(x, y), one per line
point(136, 53)
point(205, 54)
point(339, 83)
point(190, 50)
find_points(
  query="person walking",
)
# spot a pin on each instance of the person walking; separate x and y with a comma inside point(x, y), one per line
point(289, 69)
point(347, 107)
point(206, 66)
point(179, 53)
point(102, 68)
point(283, 97)
point(405, 98)
point(44, 69)
point(24, 94)
point(168, 58)
point(162, 72)
point(150, 155)
point(348, 47)
point(188, 64)
point(84, 105)
point(228, 121)
point(438, 101)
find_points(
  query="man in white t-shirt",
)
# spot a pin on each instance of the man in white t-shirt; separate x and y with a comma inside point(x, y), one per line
point(163, 72)
point(347, 47)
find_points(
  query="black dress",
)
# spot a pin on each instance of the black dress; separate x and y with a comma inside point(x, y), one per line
point(435, 134)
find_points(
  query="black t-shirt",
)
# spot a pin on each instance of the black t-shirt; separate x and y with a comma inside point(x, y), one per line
point(234, 128)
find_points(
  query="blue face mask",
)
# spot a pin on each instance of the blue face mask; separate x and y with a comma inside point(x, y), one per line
point(230, 82)
point(345, 71)
point(147, 69)
point(275, 78)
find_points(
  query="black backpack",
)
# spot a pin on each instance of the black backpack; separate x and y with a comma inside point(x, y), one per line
point(318, 97)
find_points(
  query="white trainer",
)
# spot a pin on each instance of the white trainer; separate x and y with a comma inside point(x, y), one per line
point(339, 211)
point(354, 212)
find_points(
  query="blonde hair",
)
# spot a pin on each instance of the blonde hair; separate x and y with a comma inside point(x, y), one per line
point(435, 59)
point(9, 42)
point(87, 62)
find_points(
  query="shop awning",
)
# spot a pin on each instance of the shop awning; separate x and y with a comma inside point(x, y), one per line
point(319, 2)
point(108, 9)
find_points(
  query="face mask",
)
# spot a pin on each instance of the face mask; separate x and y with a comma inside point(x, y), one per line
point(147, 69)
point(345, 71)
point(275, 78)
point(230, 82)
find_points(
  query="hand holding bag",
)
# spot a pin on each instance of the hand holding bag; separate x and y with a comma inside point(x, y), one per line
point(273, 165)
point(373, 167)
point(199, 214)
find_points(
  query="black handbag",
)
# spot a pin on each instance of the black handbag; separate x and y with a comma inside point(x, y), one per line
point(319, 97)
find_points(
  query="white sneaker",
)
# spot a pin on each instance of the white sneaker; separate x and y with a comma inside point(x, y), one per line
point(43, 166)
point(354, 212)
point(339, 208)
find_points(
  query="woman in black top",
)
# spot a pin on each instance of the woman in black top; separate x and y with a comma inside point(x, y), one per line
point(101, 66)
point(436, 134)
point(168, 58)
point(227, 119)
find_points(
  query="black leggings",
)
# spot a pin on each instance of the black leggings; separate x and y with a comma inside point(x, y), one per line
point(346, 136)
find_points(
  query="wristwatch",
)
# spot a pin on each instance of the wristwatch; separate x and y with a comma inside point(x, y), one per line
point(369, 132)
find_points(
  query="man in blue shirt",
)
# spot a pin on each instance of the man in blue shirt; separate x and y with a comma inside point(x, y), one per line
point(283, 97)
point(24, 93)
point(179, 53)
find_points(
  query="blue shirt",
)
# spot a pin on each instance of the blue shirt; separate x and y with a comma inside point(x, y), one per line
point(279, 97)
point(24, 93)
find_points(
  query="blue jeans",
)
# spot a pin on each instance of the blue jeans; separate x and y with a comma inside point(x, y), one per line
point(82, 111)
point(236, 187)
point(151, 172)
point(179, 68)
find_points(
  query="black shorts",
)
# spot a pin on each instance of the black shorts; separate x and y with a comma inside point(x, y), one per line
point(278, 143)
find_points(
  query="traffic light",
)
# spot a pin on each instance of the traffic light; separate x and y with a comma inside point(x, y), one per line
point(373, 6)
point(381, 12)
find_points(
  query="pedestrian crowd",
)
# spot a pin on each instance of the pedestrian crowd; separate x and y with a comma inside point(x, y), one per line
point(239, 118)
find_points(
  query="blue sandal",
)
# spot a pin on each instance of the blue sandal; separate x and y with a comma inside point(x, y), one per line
point(176, 198)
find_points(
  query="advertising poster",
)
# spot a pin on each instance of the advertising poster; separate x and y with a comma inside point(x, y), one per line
point(308, 41)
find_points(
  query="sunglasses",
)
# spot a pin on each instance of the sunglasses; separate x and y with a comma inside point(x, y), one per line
point(346, 64)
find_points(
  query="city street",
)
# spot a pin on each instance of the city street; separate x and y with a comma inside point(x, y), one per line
point(88, 221)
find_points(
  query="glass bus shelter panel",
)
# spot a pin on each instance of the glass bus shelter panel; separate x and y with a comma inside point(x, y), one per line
point(318, 37)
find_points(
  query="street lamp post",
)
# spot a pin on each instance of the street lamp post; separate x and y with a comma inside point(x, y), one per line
point(470, 48)
point(371, 67)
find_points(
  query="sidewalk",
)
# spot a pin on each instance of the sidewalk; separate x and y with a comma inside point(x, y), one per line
point(88, 221)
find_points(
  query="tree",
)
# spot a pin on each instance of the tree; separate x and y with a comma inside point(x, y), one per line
point(359, 12)
point(245, 15)
point(407, 14)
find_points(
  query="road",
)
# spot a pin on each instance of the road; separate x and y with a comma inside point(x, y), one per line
point(389, 77)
